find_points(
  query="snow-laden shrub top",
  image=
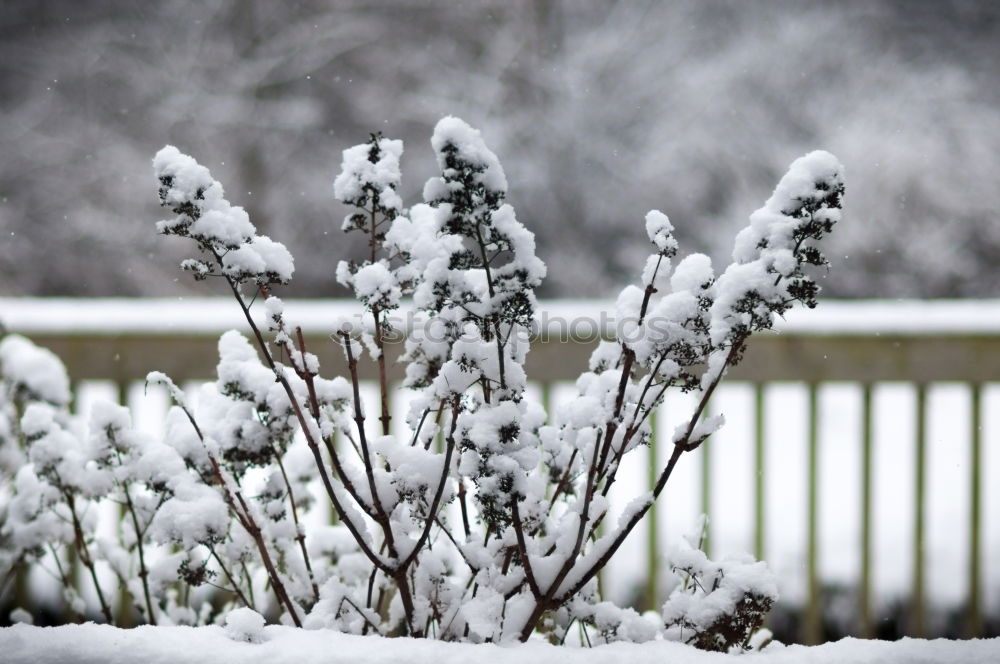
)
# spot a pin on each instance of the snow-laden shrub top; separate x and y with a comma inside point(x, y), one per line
point(222, 231)
point(486, 521)
point(33, 373)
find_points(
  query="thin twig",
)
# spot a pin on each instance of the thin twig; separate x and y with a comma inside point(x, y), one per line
point(245, 517)
point(84, 554)
point(523, 550)
point(306, 430)
point(235, 586)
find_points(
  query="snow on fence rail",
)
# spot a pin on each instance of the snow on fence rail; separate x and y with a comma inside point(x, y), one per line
point(860, 434)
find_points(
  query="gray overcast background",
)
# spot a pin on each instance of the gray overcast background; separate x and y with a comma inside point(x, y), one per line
point(599, 111)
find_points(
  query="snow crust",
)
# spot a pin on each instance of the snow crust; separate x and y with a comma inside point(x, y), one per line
point(73, 644)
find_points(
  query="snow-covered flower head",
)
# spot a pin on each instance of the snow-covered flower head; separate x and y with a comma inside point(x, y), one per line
point(222, 231)
point(770, 255)
point(482, 268)
point(369, 176)
point(367, 181)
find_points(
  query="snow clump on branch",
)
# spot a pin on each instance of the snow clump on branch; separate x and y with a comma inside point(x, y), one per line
point(222, 231)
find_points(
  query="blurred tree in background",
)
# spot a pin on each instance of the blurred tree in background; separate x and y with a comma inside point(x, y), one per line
point(691, 106)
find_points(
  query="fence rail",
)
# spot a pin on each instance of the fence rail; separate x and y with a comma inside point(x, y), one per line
point(864, 343)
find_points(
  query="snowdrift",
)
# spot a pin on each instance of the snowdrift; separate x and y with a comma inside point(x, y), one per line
point(80, 644)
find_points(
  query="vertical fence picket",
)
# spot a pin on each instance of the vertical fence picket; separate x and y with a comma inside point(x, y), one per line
point(758, 479)
point(812, 624)
point(547, 403)
point(124, 616)
point(865, 583)
point(22, 589)
point(975, 619)
point(652, 598)
point(918, 619)
point(706, 493)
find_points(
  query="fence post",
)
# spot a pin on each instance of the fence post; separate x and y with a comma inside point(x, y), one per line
point(974, 622)
point(652, 599)
point(813, 625)
point(706, 492)
point(865, 584)
point(918, 626)
point(759, 467)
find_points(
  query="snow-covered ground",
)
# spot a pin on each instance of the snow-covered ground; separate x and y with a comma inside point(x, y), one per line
point(83, 644)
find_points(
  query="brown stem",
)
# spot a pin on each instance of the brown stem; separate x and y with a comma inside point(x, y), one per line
point(359, 420)
point(680, 446)
point(143, 572)
point(563, 484)
point(84, 554)
point(246, 575)
point(331, 449)
point(250, 525)
point(236, 588)
point(447, 533)
point(522, 550)
point(464, 507)
point(398, 572)
point(542, 604)
point(360, 613)
point(307, 376)
point(399, 576)
point(629, 432)
point(440, 489)
point(564, 480)
point(63, 576)
point(420, 426)
point(247, 521)
point(493, 317)
point(310, 440)
point(629, 360)
point(612, 425)
point(344, 478)
point(383, 382)
point(374, 244)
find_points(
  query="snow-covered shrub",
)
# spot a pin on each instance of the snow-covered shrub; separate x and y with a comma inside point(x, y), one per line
point(719, 605)
point(485, 522)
